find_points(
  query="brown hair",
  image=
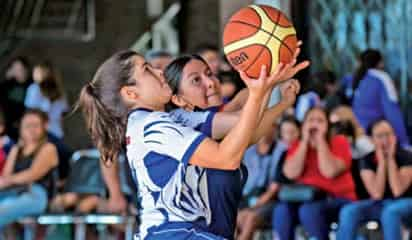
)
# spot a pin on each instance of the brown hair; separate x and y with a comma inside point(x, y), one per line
point(102, 106)
point(40, 114)
point(346, 113)
point(51, 84)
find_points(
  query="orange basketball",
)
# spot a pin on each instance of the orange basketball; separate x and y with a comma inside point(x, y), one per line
point(257, 35)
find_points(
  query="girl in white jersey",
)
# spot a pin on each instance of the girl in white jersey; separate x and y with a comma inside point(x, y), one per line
point(124, 104)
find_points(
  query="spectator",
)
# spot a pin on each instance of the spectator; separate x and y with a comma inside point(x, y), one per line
point(210, 54)
point(159, 59)
point(259, 211)
point(13, 91)
point(361, 144)
point(323, 163)
point(47, 94)
point(374, 94)
point(387, 175)
point(257, 160)
point(27, 175)
point(5, 142)
point(331, 94)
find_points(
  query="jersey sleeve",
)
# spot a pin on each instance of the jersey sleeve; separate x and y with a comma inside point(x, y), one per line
point(201, 121)
point(164, 136)
point(392, 112)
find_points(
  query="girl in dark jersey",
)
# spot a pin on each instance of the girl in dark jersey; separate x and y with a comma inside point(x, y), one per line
point(195, 87)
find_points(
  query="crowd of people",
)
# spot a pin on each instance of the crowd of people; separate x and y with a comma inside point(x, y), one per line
point(210, 154)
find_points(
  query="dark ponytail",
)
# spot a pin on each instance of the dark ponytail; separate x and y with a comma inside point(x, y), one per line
point(104, 110)
point(368, 59)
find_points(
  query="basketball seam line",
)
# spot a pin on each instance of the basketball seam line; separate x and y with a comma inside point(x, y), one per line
point(260, 53)
point(271, 35)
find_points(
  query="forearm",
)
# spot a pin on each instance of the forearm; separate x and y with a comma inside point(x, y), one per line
point(294, 166)
point(329, 165)
point(396, 182)
point(377, 187)
point(23, 177)
point(266, 197)
point(223, 122)
point(268, 119)
point(111, 178)
point(232, 147)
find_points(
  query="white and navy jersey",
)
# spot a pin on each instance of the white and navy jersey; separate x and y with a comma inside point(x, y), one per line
point(169, 189)
point(201, 121)
point(225, 186)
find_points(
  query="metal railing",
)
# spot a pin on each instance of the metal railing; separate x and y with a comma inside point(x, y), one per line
point(162, 35)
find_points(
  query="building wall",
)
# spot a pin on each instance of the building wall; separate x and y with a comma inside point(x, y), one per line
point(118, 24)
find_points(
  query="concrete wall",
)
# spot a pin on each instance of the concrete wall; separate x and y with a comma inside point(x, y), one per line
point(118, 24)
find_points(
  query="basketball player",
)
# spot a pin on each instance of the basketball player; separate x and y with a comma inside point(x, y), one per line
point(195, 87)
point(127, 97)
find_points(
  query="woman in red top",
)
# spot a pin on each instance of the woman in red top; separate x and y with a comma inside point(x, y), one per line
point(320, 161)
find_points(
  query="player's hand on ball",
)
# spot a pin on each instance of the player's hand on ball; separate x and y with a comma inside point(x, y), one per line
point(289, 90)
point(260, 86)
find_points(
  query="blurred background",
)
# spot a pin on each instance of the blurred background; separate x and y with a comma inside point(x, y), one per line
point(62, 42)
point(76, 35)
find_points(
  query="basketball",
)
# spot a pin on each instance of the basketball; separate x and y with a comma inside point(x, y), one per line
point(257, 35)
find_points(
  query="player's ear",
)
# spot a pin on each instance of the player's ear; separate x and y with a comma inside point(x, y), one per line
point(129, 94)
point(178, 101)
point(181, 102)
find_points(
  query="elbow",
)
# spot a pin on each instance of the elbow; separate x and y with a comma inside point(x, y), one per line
point(329, 174)
point(290, 174)
point(230, 163)
point(375, 195)
point(397, 192)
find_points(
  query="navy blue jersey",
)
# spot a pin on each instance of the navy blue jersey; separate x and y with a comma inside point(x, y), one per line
point(224, 186)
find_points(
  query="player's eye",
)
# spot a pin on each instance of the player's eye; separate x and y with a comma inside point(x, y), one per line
point(196, 80)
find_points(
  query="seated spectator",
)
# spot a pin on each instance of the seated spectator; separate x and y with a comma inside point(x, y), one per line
point(374, 95)
point(259, 213)
point(322, 162)
point(46, 94)
point(387, 175)
point(12, 93)
point(361, 144)
point(159, 59)
point(5, 142)
point(27, 176)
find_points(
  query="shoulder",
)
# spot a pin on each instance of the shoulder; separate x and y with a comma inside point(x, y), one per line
point(339, 140)
point(186, 118)
point(14, 150)
point(386, 83)
point(33, 88)
point(48, 148)
point(368, 158)
point(404, 156)
point(143, 117)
